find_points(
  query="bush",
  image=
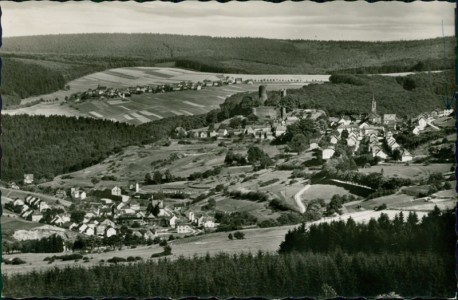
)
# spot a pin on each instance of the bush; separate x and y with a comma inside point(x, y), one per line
point(167, 250)
point(163, 243)
point(14, 261)
point(230, 236)
point(239, 235)
point(381, 207)
point(116, 259)
point(69, 257)
point(131, 259)
point(269, 182)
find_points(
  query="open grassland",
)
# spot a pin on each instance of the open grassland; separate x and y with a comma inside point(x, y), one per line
point(134, 162)
point(412, 171)
point(147, 107)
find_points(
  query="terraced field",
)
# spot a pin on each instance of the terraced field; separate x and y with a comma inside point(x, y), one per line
point(148, 107)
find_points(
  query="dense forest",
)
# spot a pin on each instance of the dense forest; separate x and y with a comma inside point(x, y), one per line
point(67, 57)
point(323, 275)
point(405, 233)
point(48, 146)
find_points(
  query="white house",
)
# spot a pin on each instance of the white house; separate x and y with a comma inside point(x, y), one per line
point(406, 156)
point(334, 140)
point(82, 228)
point(106, 201)
point(116, 191)
point(37, 217)
point(83, 195)
point(222, 132)
point(28, 178)
point(18, 202)
point(110, 232)
point(43, 206)
point(209, 224)
point(173, 221)
point(380, 154)
point(345, 120)
point(108, 223)
point(125, 198)
point(90, 231)
point(191, 216)
point(184, 228)
point(328, 153)
point(314, 146)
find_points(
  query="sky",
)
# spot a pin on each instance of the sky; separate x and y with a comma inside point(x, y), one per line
point(336, 20)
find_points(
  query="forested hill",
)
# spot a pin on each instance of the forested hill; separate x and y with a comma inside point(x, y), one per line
point(51, 61)
point(352, 94)
point(250, 55)
point(49, 146)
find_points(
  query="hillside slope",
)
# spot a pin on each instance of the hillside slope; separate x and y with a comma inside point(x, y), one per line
point(67, 57)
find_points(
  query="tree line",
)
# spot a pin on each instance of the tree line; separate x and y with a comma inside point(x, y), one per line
point(434, 234)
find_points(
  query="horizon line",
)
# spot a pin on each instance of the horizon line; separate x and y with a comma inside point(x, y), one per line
point(225, 37)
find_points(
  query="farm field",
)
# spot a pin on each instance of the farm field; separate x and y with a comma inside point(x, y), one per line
point(143, 108)
point(412, 171)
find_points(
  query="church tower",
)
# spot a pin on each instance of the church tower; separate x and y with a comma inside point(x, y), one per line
point(374, 105)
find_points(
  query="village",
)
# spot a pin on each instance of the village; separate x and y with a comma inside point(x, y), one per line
point(109, 212)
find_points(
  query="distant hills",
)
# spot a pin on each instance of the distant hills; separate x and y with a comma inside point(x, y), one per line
point(52, 60)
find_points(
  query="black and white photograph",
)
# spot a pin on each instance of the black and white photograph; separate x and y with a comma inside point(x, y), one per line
point(239, 149)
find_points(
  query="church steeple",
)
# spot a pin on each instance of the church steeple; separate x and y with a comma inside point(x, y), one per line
point(374, 105)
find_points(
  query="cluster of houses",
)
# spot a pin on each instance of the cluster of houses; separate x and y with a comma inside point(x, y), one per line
point(31, 208)
point(103, 92)
point(425, 119)
point(262, 132)
point(103, 217)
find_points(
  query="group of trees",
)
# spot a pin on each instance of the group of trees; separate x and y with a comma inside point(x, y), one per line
point(234, 221)
point(48, 146)
point(208, 173)
point(336, 203)
point(159, 177)
point(258, 158)
point(51, 244)
point(434, 233)
point(237, 159)
point(247, 274)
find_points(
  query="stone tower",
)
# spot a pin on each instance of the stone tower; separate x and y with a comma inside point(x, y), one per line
point(262, 93)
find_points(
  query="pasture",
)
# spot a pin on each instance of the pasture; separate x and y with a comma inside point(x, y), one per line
point(147, 107)
point(135, 161)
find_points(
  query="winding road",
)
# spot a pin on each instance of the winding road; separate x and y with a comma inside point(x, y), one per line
point(298, 199)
